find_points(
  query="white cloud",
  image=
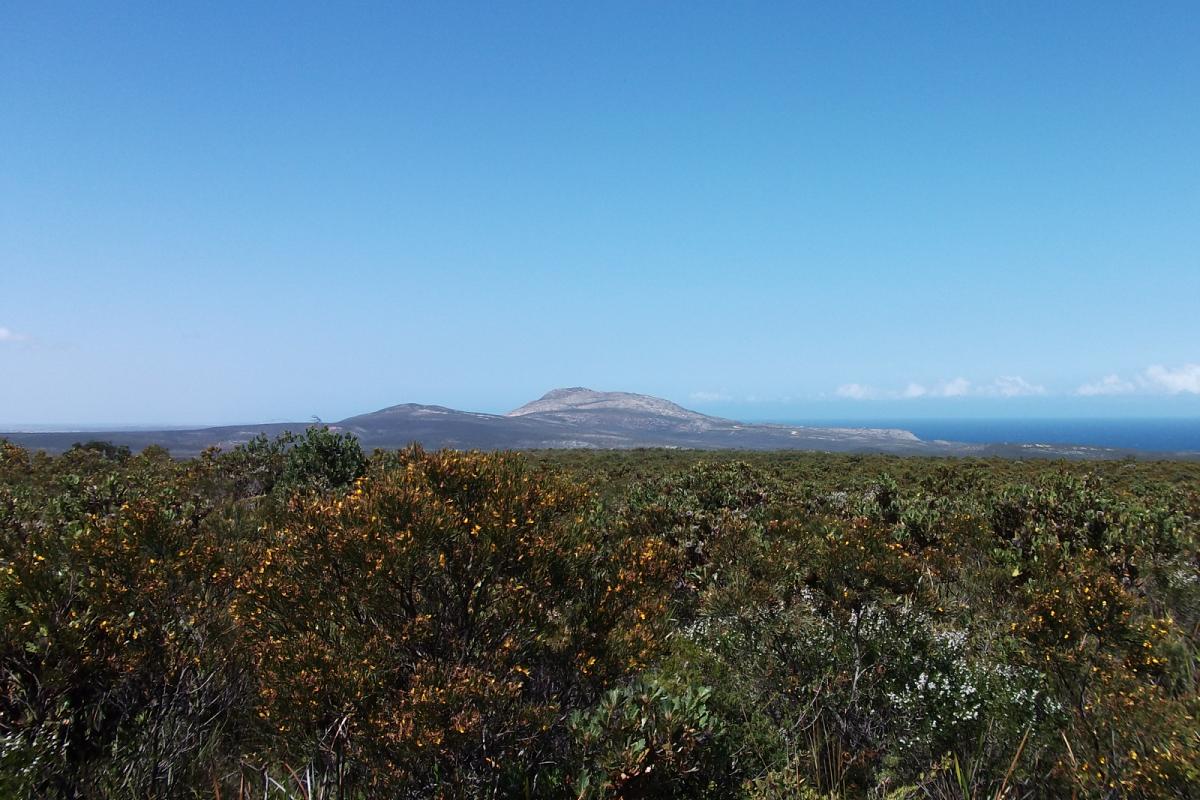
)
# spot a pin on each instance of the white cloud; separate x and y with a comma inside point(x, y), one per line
point(959, 387)
point(1184, 379)
point(1109, 384)
point(1173, 381)
point(1004, 386)
point(708, 397)
point(1014, 386)
point(8, 335)
point(855, 391)
point(768, 399)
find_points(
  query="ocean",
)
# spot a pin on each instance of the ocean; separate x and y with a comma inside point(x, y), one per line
point(1158, 434)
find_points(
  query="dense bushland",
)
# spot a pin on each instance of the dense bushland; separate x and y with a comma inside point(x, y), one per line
point(292, 619)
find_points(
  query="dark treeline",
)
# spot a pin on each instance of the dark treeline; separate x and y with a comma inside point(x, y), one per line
point(295, 619)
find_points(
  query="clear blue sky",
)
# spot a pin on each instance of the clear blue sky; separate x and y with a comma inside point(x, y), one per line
point(238, 212)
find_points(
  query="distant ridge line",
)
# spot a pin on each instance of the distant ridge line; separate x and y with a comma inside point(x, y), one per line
point(573, 417)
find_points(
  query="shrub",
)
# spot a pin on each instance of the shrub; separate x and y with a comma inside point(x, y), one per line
point(321, 460)
point(650, 738)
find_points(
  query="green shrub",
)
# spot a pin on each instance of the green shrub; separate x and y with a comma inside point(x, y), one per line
point(650, 738)
point(320, 460)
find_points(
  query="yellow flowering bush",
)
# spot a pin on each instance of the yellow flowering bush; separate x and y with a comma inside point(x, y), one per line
point(435, 621)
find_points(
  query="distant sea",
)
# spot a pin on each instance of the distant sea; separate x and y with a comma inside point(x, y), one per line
point(1159, 434)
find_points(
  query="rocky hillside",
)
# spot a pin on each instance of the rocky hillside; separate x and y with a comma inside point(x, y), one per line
point(577, 399)
point(564, 418)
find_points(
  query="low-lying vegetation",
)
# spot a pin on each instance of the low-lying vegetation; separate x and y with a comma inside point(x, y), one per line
point(292, 619)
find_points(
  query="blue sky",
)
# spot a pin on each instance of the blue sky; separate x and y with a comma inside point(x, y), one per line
point(214, 213)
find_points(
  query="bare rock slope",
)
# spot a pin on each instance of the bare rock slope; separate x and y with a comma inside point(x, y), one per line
point(578, 399)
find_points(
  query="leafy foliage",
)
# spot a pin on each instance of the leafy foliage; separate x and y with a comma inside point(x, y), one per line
point(294, 619)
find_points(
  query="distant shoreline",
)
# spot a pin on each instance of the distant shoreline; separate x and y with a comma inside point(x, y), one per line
point(1157, 434)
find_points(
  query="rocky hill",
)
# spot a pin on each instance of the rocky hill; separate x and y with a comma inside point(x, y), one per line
point(570, 417)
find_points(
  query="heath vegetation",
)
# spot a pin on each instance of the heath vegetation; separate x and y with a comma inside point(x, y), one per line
point(295, 619)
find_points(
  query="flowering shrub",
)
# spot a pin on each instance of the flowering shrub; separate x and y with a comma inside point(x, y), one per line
point(293, 619)
point(425, 629)
point(117, 671)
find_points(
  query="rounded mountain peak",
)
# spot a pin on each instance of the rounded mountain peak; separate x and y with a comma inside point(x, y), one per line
point(578, 398)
